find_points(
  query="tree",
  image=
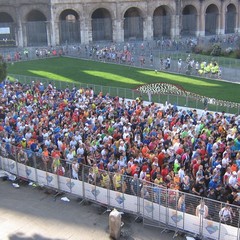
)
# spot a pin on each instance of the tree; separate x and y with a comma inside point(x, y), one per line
point(3, 69)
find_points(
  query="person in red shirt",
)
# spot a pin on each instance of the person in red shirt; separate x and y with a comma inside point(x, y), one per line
point(135, 168)
point(196, 167)
point(180, 150)
point(145, 151)
point(165, 171)
point(161, 157)
point(55, 152)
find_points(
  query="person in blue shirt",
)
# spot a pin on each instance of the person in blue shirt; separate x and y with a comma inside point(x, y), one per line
point(237, 143)
point(213, 183)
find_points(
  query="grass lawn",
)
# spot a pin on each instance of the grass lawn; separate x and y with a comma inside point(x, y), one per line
point(81, 71)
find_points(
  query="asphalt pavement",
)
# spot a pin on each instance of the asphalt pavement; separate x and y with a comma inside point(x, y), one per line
point(33, 213)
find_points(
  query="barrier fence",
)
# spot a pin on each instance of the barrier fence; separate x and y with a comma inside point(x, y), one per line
point(175, 49)
point(157, 205)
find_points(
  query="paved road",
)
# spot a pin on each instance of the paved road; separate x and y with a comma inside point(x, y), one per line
point(28, 213)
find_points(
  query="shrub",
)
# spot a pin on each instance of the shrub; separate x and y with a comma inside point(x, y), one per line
point(197, 49)
point(236, 54)
point(216, 50)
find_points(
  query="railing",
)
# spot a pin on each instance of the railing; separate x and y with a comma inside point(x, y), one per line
point(157, 205)
point(176, 49)
point(126, 93)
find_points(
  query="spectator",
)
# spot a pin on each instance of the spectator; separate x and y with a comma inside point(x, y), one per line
point(22, 156)
point(181, 203)
point(199, 188)
point(226, 214)
point(202, 210)
point(75, 169)
point(175, 147)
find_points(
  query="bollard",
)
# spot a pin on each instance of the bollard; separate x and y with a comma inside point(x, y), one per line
point(115, 224)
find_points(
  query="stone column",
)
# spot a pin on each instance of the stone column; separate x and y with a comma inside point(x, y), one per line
point(56, 39)
point(148, 28)
point(48, 30)
point(86, 30)
point(53, 27)
point(221, 23)
point(237, 28)
point(221, 20)
point(24, 34)
point(118, 31)
point(19, 30)
point(175, 20)
point(175, 26)
point(19, 34)
point(201, 21)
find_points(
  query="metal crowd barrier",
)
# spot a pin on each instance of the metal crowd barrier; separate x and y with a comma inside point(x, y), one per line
point(157, 205)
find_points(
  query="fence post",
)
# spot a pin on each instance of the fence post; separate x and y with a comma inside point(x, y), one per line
point(16, 159)
point(238, 232)
point(219, 232)
point(35, 166)
point(83, 184)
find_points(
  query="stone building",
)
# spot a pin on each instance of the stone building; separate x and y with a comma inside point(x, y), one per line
point(54, 22)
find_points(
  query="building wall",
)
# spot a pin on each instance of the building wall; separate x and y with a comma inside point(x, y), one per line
point(119, 21)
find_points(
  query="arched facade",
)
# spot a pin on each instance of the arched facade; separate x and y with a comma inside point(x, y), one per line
point(69, 27)
point(54, 22)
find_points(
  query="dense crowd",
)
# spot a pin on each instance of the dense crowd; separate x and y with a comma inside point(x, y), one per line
point(191, 151)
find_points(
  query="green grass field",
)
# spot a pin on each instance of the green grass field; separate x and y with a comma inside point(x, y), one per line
point(72, 70)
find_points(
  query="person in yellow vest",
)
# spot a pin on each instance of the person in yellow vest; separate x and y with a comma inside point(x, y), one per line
point(117, 181)
point(105, 180)
point(202, 66)
point(158, 180)
point(207, 69)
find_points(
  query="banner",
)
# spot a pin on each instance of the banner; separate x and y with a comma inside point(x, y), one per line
point(65, 184)
point(4, 30)
point(77, 187)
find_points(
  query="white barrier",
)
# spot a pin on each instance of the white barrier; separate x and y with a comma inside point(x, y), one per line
point(123, 201)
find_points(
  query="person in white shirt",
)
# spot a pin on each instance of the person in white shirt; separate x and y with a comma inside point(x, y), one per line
point(202, 210)
point(45, 134)
point(226, 214)
point(73, 142)
point(233, 179)
point(77, 136)
point(179, 65)
point(181, 174)
point(122, 147)
point(80, 149)
point(225, 160)
point(75, 169)
point(70, 155)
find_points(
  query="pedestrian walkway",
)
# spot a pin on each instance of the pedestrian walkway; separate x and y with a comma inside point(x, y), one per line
point(27, 213)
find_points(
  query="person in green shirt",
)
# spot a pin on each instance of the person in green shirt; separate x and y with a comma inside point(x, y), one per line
point(176, 166)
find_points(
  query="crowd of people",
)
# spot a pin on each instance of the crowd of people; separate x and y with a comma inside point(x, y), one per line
point(127, 144)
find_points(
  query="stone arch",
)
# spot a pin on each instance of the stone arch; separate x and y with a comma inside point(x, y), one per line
point(211, 20)
point(189, 21)
point(5, 17)
point(230, 18)
point(36, 29)
point(69, 27)
point(7, 30)
point(161, 22)
point(102, 25)
point(35, 16)
point(133, 24)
